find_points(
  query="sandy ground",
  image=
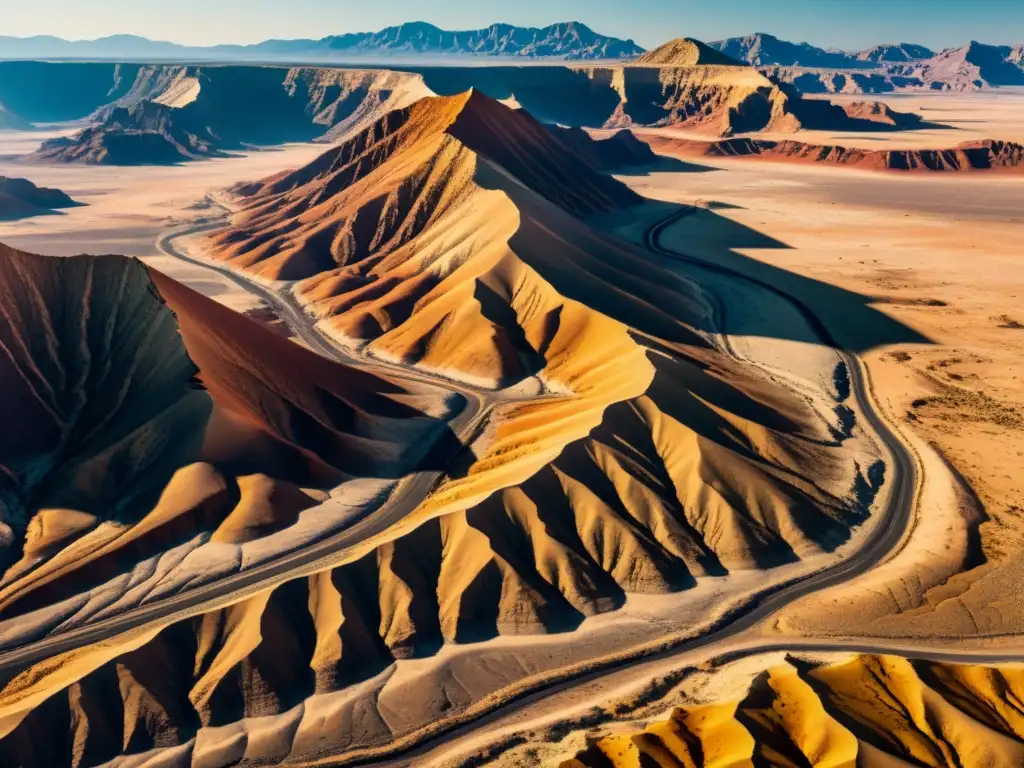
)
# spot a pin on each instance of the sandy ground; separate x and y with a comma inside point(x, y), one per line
point(930, 284)
point(127, 208)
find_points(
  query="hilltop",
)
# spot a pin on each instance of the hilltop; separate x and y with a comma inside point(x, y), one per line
point(685, 52)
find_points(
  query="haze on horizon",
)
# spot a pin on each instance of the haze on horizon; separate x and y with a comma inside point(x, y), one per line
point(848, 24)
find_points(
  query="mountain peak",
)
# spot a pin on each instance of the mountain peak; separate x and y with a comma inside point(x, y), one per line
point(685, 52)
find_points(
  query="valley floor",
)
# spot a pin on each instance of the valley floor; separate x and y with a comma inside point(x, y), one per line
point(127, 208)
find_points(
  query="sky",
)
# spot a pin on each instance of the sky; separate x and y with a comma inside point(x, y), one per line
point(829, 23)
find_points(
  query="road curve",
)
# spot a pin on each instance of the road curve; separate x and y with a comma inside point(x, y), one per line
point(881, 543)
point(406, 497)
point(904, 474)
point(883, 540)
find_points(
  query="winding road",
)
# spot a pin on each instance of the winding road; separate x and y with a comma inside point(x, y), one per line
point(409, 493)
point(881, 542)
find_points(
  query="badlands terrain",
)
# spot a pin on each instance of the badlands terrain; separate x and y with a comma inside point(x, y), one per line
point(644, 413)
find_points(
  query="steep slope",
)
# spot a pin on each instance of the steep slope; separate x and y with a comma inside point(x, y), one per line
point(711, 99)
point(436, 238)
point(685, 52)
point(135, 425)
point(969, 156)
point(428, 140)
point(20, 198)
point(871, 710)
point(50, 92)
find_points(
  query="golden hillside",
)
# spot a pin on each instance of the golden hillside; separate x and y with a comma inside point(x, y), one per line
point(685, 52)
point(871, 711)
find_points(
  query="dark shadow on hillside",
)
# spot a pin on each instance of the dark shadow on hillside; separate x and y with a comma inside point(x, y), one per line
point(718, 205)
point(849, 319)
point(665, 164)
point(870, 126)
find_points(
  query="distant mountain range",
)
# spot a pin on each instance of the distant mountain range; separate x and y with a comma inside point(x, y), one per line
point(881, 67)
point(764, 50)
point(570, 41)
point(903, 65)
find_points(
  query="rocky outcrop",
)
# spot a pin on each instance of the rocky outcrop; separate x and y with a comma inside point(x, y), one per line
point(970, 67)
point(620, 150)
point(20, 199)
point(684, 52)
point(146, 133)
point(895, 52)
point(764, 50)
point(969, 156)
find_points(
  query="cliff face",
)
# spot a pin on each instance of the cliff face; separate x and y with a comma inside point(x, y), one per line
point(969, 156)
point(47, 92)
point(231, 107)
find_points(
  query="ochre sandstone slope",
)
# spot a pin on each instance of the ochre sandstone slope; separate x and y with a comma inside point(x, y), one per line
point(137, 420)
point(871, 711)
point(685, 52)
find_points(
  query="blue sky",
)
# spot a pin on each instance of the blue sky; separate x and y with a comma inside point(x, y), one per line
point(841, 23)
